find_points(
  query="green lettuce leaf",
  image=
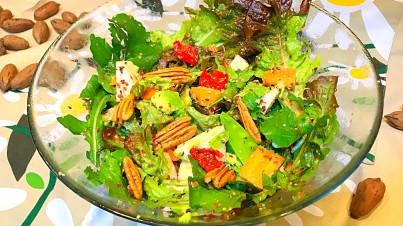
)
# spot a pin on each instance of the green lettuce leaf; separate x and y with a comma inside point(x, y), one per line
point(282, 48)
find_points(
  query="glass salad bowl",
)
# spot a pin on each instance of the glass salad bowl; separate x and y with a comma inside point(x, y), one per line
point(68, 65)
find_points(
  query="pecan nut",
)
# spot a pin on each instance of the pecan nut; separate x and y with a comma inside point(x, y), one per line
point(124, 110)
point(174, 133)
point(248, 122)
point(220, 176)
point(135, 186)
point(178, 75)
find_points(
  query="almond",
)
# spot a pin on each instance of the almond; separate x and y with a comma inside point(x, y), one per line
point(59, 25)
point(40, 32)
point(368, 194)
point(69, 17)
point(46, 10)
point(3, 50)
point(5, 15)
point(16, 25)
point(6, 75)
point(13, 42)
point(24, 78)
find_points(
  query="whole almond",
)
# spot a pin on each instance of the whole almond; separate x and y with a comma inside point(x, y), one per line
point(73, 40)
point(46, 10)
point(3, 50)
point(5, 15)
point(59, 25)
point(24, 78)
point(368, 194)
point(13, 42)
point(40, 31)
point(16, 25)
point(6, 75)
point(69, 17)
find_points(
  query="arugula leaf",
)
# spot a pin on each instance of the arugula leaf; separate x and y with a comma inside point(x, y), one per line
point(73, 124)
point(104, 79)
point(101, 51)
point(252, 100)
point(110, 175)
point(93, 134)
point(91, 89)
point(126, 33)
point(284, 128)
point(146, 55)
point(130, 41)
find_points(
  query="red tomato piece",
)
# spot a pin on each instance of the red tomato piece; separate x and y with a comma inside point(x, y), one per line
point(217, 80)
point(186, 53)
point(207, 158)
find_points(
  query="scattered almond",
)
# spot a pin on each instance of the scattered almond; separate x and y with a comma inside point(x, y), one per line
point(6, 75)
point(368, 194)
point(5, 15)
point(69, 17)
point(395, 119)
point(3, 50)
point(40, 32)
point(16, 25)
point(59, 25)
point(13, 42)
point(24, 78)
point(46, 10)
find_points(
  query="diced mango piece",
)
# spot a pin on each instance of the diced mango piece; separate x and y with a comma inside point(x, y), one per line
point(148, 93)
point(261, 161)
point(275, 75)
point(204, 96)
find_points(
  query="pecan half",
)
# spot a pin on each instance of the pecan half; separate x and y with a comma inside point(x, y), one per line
point(135, 186)
point(174, 133)
point(124, 110)
point(178, 75)
point(220, 176)
point(248, 122)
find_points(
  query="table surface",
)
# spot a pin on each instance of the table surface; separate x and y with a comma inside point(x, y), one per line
point(29, 193)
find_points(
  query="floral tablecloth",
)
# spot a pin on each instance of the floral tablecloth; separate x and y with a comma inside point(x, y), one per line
point(31, 194)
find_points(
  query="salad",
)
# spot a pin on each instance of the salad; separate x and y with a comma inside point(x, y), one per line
point(220, 115)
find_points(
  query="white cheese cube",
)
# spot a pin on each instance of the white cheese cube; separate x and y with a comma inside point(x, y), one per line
point(126, 77)
point(239, 63)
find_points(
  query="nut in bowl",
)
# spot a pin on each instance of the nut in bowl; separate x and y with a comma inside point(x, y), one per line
point(265, 147)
